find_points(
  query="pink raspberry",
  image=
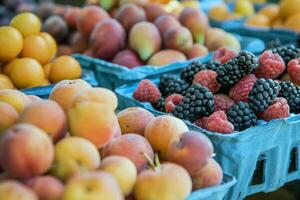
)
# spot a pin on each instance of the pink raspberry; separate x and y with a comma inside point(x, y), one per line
point(147, 92)
point(172, 101)
point(279, 109)
point(201, 122)
point(294, 70)
point(223, 55)
point(222, 102)
point(240, 91)
point(271, 65)
point(217, 122)
point(207, 78)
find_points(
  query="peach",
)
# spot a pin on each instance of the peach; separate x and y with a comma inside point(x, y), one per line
point(197, 50)
point(15, 98)
point(168, 181)
point(154, 10)
point(160, 131)
point(166, 22)
point(64, 91)
point(192, 150)
point(57, 27)
point(108, 5)
point(89, 16)
point(25, 151)
point(71, 15)
point(34, 98)
point(96, 122)
point(70, 160)
point(93, 186)
point(46, 187)
point(48, 116)
point(64, 50)
point(123, 170)
point(165, 57)
point(209, 175)
point(78, 42)
point(97, 95)
point(8, 117)
point(132, 146)
point(127, 58)
point(178, 38)
point(134, 120)
point(13, 190)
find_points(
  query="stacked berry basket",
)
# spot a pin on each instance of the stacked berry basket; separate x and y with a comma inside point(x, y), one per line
point(247, 105)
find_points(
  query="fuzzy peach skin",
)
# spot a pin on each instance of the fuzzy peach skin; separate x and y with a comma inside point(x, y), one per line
point(8, 117)
point(15, 98)
point(13, 190)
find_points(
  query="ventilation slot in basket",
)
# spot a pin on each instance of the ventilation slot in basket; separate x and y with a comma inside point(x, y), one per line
point(293, 166)
point(259, 173)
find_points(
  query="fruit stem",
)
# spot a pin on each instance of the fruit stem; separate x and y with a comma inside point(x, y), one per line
point(150, 161)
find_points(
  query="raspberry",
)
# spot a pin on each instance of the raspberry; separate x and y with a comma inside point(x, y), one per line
point(240, 91)
point(223, 55)
point(271, 65)
point(279, 109)
point(294, 70)
point(208, 79)
point(217, 122)
point(172, 101)
point(147, 92)
point(201, 122)
point(222, 102)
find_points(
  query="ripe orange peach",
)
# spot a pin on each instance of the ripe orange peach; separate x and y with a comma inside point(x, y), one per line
point(79, 42)
point(97, 95)
point(17, 155)
point(64, 91)
point(134, 120)
point(160, 131)
point(15, 98)
point(48, 116)
point(123, 170)
point(94, 121)
point(93, 186)
point(8, 117)
point(71, 16)
point(46, 187)
point(74, 155)
point(168, 181)
point(132, 146)
point(34, 98)
point(64, 67)
point(192, 150)
point(13, 190)
point(209, 175)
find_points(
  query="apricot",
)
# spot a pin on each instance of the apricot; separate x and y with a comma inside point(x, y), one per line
point(192, 150)
point(5, 82)
point(26, 73)
point(74, 155)
point(48, 116)
point(209, 175)
point(15, 98)
point(47, 69)
point(93, 186)
point(97, 95)
point(219, 12)
point(36, 47)
point(13, 190)
point(8, 117)
point(64, 67)
point(165, 182)
point(17, 155)
point(46, 187)
point(293, 23)
point(132, 146)
point(27, 23)
point(271, 11)
point(160, 131)
point(64, 91)
point(52, 46)
point(123, 170)
point(258, 20)
point(7, 67)
point(94, 121)
point(134, 120)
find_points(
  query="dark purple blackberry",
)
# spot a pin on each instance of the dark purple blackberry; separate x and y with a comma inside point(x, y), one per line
point(288, 52)
point(262, 94)
point(212, 65)
point(160, 105)
point(241, 116)
point(292, 94)
point(273, 43)
point(171, 84)
point(197, 102)
point(248, 61)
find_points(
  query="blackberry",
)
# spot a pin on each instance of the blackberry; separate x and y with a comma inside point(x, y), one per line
point(197, 102)
point(273, 44)
point(171, 84)
point(160, 105)
point(262, 94)
point(248, 61)
point(292, 94)
point(241, 116)
point(288, 52)
point(212, 65)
